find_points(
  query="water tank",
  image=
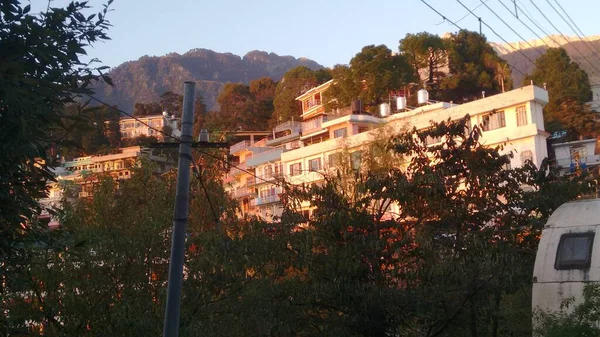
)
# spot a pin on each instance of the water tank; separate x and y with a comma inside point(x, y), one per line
point(384, 109)
point(356, 106)
point(423, 96)
point(400, 103)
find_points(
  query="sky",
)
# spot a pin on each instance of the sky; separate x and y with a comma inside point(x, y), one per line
point(327, 31)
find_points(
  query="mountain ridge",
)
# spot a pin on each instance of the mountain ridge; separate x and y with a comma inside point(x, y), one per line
point(145, 79)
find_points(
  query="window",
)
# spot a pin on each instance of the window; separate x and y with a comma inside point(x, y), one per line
point(578, 154)
point(362, 129)
point(574, 251)
point(314, 165)
point(295, 169)
point(268, 171)
point(335, 159)
point(339, 133)
point(494, 121)
point(356, 159)
point(521, 115)
point(432, 140)
point(526, 156)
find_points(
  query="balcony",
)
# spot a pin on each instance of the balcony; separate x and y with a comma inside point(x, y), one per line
point(242, 192)
point(264, 201)
point(238, 147)
point(311, 103)
point(238, 170)
point(265, 157)
point(585, 162)
point(290, 125)
point(313, 125)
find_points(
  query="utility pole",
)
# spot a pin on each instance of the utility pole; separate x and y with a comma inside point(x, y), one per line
point(480, 32)
point(516, 12)
point(180, 215)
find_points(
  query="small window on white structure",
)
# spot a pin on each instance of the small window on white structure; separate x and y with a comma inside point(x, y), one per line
point(494, 121)
point(521, 115)
point(574, 251)
point(526, 156)
point(314, 165)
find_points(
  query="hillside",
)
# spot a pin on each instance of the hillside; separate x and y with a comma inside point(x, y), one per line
point(147, 78)
point(574, 46)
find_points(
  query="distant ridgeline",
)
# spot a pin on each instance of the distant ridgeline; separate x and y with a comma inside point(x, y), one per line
point(147, 78)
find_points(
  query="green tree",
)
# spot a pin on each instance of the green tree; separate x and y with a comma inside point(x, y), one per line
point(426, 52)
point(147, 109)
point(569, 90)
point(41, 71)
point(294, 83)
point(372, 75)
point(572, 320)
point(454, 261)
point(172, 103)
point(473, 66)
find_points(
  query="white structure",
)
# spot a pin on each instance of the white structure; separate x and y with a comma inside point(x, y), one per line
point(568, 256)
point(306, 151)
point(147, 126)
point(577, 155)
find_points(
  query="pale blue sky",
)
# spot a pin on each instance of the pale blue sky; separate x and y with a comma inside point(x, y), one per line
point(327, 31)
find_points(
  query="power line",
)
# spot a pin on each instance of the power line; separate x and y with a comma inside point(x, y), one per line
point(457, 26)
point(564, 37)
point(464, 16)
point(524, 24)
point(572, 28)
point(179, 141)
point(498, 35)
point(507, 25)
point(574, 24)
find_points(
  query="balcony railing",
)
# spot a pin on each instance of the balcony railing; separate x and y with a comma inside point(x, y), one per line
point(239, 146)
point(584, 161)
point(237, 170)
point(289, 125)
point(311, 103)
point(313, 125)
point(266, 200)
point(242, 192)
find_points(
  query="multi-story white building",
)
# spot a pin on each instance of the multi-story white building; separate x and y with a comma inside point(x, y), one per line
point(82, 173)
point(304, 154)
point(148, 126)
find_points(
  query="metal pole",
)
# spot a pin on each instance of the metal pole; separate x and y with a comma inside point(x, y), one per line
point(180, 216)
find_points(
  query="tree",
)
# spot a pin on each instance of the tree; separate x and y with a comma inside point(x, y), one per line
point(245, 107)
point(428, 56)
point(569, 90)
point(41, 72)
point(572, 320)
point(453, 261)
point(474, 67)
point(294, 83)
point(88, 130)
point(372, 75)
point(172, 103)
point(147, 109)
point(263, 94)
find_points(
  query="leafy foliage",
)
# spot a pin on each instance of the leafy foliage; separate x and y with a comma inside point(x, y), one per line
point(294, 83)
point(428, 56)
point(581, 320)
point(454, 260)
point(372, 75)
point(569, 90)
point(244, 107)
point(41, 71)
point(474, 67)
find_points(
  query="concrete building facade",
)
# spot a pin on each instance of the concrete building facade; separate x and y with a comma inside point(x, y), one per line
point(303, 152)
